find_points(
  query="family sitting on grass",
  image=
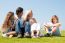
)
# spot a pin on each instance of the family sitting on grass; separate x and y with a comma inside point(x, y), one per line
point(26, 26)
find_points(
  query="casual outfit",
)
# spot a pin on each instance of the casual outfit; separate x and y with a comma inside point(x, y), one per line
point(36, 29)
point(20, 27)
point(49, 32)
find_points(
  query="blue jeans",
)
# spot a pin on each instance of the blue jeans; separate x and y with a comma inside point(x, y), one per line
point(27, 27)
point(19, 26)
point(56, 33)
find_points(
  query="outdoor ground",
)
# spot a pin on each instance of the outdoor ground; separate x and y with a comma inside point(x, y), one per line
point(35, 40)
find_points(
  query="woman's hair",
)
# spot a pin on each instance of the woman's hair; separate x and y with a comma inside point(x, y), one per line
point(28, 15)
point(8, 20)
point(54, 16)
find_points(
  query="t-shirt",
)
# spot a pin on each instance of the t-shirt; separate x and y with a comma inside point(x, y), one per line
point(35, 26)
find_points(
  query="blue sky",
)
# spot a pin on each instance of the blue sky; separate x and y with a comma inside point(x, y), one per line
point(42, 9)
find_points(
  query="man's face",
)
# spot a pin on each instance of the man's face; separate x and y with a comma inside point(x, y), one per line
point(20, 14)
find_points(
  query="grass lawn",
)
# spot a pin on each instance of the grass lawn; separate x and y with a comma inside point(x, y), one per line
point(35, 40)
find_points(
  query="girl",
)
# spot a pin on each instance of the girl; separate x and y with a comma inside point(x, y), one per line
point(8, 24)
point(35, 28)
point(53, 27)
point(28, 16)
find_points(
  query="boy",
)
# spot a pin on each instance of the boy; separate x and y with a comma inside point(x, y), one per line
point(19, 23)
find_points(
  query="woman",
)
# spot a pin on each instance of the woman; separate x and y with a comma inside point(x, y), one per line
point(8, 25)
point(28, 16)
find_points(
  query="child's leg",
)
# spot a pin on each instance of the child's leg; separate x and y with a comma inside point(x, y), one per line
point(54, 29)
point(32, 33)
point(37, 33)
point(46, 29)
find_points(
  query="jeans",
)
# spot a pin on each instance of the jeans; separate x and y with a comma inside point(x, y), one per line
point(27, 27)
point(19, 28)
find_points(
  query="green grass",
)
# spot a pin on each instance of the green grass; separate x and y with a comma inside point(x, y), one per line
point(35, 40)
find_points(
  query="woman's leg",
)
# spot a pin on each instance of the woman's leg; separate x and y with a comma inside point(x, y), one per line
point(11, 33)
point(27, 27)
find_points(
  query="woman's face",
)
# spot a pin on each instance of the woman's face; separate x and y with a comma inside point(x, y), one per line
point(29, 16)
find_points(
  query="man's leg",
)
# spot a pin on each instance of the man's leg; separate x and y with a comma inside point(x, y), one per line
point(22, 31)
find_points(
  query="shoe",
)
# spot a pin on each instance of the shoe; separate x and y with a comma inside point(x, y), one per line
point(37, 36)
point(4, 35)
point(19, 35)
point(34, 37)
point(26, 34)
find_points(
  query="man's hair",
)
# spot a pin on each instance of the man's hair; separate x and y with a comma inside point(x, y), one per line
point(19, 10)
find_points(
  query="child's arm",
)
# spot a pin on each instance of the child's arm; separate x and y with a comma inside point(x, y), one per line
point(57, 24)
point(54, 29)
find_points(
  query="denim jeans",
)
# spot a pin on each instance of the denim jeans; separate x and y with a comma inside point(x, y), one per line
point(19, 26)
point(27, 27)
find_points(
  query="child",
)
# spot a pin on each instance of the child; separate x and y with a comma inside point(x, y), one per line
point(8, 25)
point(35, 28)
point(53, 27)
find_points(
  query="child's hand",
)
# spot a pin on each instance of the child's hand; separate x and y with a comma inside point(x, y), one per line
point(47, 26)
point(57, 24)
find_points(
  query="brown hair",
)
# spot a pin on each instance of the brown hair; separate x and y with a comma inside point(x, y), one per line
point(7, 21)
point(19, 10)
point(54, 17)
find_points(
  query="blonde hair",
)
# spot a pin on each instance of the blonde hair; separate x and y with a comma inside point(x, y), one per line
point(27, 14)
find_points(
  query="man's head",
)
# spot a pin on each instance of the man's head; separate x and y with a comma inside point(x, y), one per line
point(19, 11)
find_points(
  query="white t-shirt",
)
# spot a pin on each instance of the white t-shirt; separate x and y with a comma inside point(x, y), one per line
point(35, 26)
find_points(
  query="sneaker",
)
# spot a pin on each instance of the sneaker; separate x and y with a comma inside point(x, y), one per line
point(26, 34)
point(4, 35)
point(19, 35)
point(34, 37)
